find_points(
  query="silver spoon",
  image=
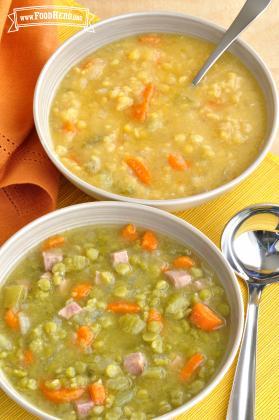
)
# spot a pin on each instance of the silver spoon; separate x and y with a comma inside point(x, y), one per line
point(250, 242)
point(248, 13)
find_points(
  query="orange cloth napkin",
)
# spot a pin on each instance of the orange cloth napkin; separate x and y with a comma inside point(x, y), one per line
point(28, 180)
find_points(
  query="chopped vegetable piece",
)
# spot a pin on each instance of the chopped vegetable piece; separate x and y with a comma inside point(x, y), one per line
point(129, 232)
point(11, 319)
point(131, 324)
point(85, 336)
point(177, 305)
point(14, 296)
point(149, 241)
point(183, 262)
point(152, 39)
point(54, 242)
point(122, 307)
point(140, 110)
point(69, 126)
point(178, 162)
point(81, 290)
point(154, 315)
point(28, 357)
point(204, 318)
point(97, 393)
point(139, 169)
point(62, 395)
point(191, 366)
point(73, 157)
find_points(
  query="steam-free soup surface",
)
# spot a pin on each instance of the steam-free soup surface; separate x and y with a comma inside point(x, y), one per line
point(127, 119)
point(95, 321)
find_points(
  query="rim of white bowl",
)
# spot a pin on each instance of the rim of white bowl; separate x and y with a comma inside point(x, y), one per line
point(4, 381)
point(192, 199)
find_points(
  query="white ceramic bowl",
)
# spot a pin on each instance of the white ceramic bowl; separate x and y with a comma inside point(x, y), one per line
point(122, 213)
point(117, 27)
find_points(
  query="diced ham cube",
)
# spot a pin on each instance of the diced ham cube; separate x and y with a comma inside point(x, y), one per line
point(135, 363)
point(51, 258)
point(177, 362)
point(199, 284)
point(179, 278)
point(120, 257)
point(83, 408)
point(24, 323)
point(70, 310)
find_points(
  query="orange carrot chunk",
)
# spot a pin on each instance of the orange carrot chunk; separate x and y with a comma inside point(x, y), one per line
point(73, 157)
point(81, 290)
point(53, 242)
point(154, 315)
point(129, 232)
point(28, 357)
point(204, 318)
point(69, 127)
point(84, 336)
point(123, 307)
point(140, 110)
point(11, 319)
point(183, 262)
point(177, 162)
point(149, 241)
point(97, 393)
point(62, 395)
point(151, 39)
point(191, 366)
point(139, 169)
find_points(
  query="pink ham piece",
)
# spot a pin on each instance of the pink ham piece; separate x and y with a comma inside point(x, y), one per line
point(120, 257)
point(51, 257)
point(83, 408)
point(177, 362)
point(70, 310)
point(135, 363)
point(200, 284)
point(179, 278)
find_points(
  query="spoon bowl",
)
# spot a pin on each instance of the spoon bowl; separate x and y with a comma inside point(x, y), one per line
point(250, 242)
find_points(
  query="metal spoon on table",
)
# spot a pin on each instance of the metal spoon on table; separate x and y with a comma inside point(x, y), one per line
point(250, 242)
point(248, 13)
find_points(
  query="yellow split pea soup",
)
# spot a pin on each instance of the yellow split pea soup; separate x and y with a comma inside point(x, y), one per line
point(95, 320)
point(127, 119)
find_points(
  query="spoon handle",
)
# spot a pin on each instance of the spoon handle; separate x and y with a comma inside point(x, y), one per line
point(250, 10)
point(242, 399)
